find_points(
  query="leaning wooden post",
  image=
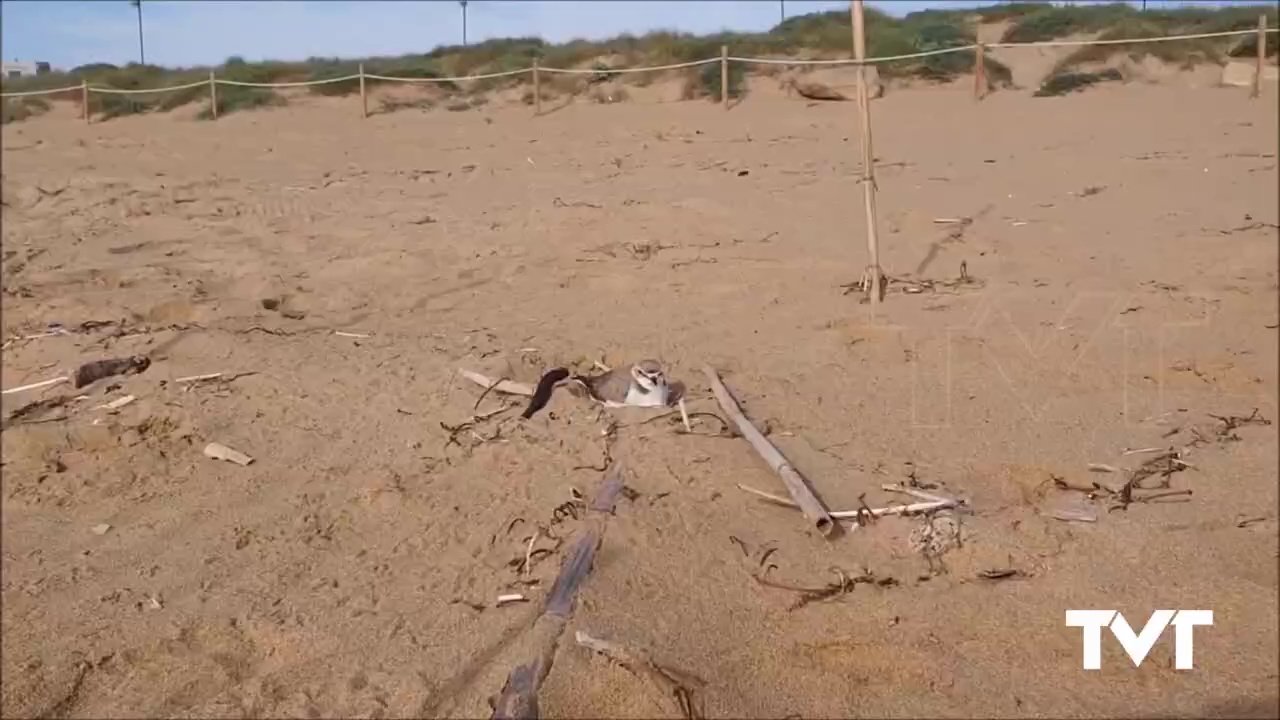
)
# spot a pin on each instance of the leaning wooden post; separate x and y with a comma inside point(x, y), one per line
point(364, 99)
point(213, 96)
point(1262, 56)
point(84, 98)
point(873, 280)
point(979, 72)
point(537, 89)
point(724, 76)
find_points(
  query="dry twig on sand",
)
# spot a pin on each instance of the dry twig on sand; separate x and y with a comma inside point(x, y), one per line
point(676, 688)
point(519, 696)
point(1164, 465)
point(1231, 422)
point(796, 485)
point(845, 583)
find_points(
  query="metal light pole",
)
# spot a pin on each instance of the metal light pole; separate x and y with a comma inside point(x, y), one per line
point(782, 9)
point(463, 3)
point(142, 50)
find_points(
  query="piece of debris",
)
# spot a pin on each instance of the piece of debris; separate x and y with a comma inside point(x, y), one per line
point(218, 451)
point(117, 403)
point(192, 380)
point(1000, 574)
point(508, 599)
point(845, 583)
point(198, 378)
point(100, 529)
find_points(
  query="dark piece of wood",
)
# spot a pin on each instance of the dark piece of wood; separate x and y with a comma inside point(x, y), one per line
point(93, 371)
point(519, 697)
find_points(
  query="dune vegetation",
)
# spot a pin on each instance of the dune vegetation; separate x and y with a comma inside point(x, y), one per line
point(812, 36)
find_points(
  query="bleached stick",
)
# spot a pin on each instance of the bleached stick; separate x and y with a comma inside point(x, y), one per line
point(198, 378)
point(913, 492)
point(796, 486)
point(505, 386)
point(671, 685)
point(35, 386)
point(851, 514)
point(117, 403)
point(684, 415)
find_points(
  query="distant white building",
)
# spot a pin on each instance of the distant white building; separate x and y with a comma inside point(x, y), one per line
point(23, 69)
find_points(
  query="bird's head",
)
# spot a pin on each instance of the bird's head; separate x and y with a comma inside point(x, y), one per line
point(648, 375)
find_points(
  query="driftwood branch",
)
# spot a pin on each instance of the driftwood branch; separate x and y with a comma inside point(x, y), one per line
point(796, 485)
point(519, 697)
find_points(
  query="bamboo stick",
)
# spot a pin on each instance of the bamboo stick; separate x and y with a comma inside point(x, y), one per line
point(796, 485)
point(873, 278)
point(724, 76)
point(537, 89)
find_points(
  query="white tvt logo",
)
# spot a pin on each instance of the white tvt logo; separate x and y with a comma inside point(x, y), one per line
point(1138, 645)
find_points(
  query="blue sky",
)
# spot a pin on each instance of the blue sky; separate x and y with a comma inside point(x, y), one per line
point(194, 32)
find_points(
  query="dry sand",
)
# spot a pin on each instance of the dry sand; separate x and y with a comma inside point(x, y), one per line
point(333, 576)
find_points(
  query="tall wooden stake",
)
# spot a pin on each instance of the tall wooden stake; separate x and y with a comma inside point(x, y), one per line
point(980, 72)
point(213, 96)
point(364, 98)
point(724, 76)
point(537, 89)
point(1262, 56)
point(84, 98)
point(873, 280)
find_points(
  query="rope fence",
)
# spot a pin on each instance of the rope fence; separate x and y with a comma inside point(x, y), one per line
point(725, 58)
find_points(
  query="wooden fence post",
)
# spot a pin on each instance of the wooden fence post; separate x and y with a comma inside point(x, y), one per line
point(364, 98)
point(84, 98)
point(980, 72)
point(873, 280)
point(213, 96)
point(537, 89)
point(724, 76)
point(1262, 56)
